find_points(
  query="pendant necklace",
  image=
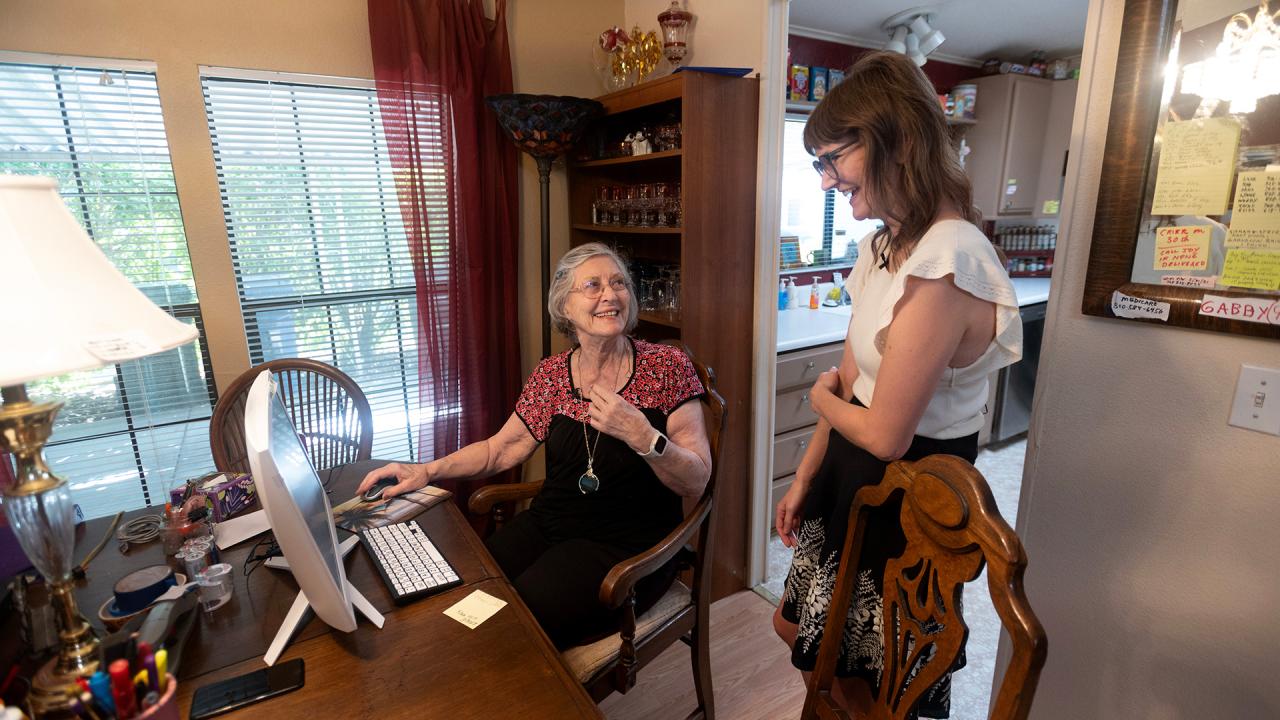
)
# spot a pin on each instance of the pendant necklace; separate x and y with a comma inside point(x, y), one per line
point(588, 482)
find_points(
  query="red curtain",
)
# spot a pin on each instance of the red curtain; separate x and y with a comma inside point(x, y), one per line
point(434, 63)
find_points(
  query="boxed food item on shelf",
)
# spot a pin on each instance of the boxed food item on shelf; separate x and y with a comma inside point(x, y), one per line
point(834, 78)
point(817, 83)
point(799, 82)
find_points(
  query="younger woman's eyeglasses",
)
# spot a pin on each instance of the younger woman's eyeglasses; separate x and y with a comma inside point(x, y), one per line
point(591, 289)
point(826, 162)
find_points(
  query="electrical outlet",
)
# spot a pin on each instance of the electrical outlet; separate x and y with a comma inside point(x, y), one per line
point(1257, 402)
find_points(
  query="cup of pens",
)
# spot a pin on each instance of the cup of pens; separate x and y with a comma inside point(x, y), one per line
point(166, 706)
point(142, 688)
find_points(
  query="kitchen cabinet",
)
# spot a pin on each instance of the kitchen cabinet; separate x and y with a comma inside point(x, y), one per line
point(1057, 136)
point(1007, 143)
point(794, 420)
point(712, 246)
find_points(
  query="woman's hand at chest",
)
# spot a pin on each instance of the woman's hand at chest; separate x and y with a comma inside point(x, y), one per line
point(611, 414)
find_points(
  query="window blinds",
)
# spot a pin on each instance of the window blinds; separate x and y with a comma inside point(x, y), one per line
point(321, 261)
point(131, 431)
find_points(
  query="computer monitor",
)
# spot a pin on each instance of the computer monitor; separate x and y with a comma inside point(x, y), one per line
point(298, 511)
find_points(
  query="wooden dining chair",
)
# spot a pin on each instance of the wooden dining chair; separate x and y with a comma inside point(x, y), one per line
point(952, 527)
point(610, 665)
point(328, 409)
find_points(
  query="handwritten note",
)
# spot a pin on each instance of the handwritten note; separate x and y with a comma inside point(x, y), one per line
point(1197, 161)
point(475, 608)
point(1128, 306)
point(1255, 213)
point(1190, 281)
point(1257, 310)
point(1182, 248)
point(1253, 269)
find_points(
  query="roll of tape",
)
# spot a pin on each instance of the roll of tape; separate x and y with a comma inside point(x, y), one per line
point(139, 588)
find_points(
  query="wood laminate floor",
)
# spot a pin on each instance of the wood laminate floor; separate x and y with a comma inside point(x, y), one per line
point(750, 669)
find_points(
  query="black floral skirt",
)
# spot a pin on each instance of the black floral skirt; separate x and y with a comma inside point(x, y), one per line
point(844, 470)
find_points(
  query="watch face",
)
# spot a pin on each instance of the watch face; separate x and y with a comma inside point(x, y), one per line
point(660, 445)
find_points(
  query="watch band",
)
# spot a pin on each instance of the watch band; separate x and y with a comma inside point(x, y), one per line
point(654, 449)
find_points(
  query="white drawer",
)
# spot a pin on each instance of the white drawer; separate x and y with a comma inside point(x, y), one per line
point(801, 368)
point(791, 410)
point(789, 449)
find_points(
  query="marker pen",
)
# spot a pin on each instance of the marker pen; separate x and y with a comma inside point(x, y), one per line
point(162, 668)
point(122, 690)
point(153, 676)
point(100, 686)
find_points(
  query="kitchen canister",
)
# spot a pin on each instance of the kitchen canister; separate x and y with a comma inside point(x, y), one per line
point(966, 98)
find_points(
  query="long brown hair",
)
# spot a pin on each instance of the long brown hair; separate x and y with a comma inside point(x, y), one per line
point(912, 166)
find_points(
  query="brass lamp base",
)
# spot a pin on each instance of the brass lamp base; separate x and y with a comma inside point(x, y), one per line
point(38, 506)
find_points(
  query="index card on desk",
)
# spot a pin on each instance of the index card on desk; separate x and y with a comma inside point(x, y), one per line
point(475, 608)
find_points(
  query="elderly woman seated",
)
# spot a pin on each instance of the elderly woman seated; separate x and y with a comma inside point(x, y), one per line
point(624, 445)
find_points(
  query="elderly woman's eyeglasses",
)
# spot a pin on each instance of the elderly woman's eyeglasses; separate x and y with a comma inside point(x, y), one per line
point(591, 289)
point(826, 162)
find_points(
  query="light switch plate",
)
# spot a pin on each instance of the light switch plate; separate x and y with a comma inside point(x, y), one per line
point(1257, 402)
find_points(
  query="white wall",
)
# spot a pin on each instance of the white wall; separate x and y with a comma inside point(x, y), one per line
point(1149, 523)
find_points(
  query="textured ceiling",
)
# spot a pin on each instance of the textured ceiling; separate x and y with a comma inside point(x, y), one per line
point(975, 29)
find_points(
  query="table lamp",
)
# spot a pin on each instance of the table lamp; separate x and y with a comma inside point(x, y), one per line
point(544, 126)
point(66, 308)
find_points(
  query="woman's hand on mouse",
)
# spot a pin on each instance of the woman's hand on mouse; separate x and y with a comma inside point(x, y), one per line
point(408, 477)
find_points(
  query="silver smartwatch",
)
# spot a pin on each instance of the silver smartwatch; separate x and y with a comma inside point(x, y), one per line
point(657, 447)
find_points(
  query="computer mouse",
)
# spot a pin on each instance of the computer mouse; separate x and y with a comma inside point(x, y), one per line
point(376, 490)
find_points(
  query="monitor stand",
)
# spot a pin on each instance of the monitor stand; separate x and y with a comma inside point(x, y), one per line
point(298, 611)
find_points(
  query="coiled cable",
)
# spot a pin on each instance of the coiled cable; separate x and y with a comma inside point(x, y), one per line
point(138, 530)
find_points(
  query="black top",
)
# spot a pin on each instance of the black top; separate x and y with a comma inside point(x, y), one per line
point(632, 508)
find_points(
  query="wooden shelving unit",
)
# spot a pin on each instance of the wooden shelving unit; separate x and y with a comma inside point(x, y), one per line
point(715, 251)
point(632, 159)
point(626, 229)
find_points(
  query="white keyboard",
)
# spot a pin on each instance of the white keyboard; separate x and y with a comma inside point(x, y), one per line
point(408, 561)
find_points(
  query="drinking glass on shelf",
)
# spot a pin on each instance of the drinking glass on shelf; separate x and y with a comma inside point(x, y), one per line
point(644, 205)
point(671, 280)
point(626, 200)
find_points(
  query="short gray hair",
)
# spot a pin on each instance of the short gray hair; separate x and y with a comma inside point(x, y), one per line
point(562, 285)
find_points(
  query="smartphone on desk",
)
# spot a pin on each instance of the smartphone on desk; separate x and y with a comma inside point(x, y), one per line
point(234, 693)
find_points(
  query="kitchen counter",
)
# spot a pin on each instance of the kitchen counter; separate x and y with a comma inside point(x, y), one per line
point(801, 328)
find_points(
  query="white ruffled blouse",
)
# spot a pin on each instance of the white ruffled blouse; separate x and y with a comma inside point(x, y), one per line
point(950, 247)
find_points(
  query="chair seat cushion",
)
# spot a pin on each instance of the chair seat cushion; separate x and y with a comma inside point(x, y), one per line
point(585, 661)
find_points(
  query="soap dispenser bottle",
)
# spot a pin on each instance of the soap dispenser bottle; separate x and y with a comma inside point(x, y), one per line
point(836, 288)
point(793, 294)
point(814, 300)
point(782, 294)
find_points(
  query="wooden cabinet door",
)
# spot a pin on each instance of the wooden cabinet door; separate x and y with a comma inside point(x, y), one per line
point(1028, 116)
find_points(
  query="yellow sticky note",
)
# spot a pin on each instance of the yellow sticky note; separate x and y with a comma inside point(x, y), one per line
point(1050, 207)
point(1253, 269)
point(1197, 162)
point(475, 608)
point(1182, 248)
point(1255, 212)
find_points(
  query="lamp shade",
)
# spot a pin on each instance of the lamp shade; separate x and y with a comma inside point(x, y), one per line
point(66, 307)
point(544, 125)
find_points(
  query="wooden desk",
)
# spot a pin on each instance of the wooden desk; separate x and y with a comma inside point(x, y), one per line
point(420, 664)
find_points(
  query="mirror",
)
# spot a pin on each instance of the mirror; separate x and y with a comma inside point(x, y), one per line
point(1187, 230)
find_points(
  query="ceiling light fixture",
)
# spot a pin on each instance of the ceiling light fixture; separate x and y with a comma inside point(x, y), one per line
point(911, 34)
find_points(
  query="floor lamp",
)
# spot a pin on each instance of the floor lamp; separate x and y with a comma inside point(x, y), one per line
point(66, 308)
point(544, 126)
